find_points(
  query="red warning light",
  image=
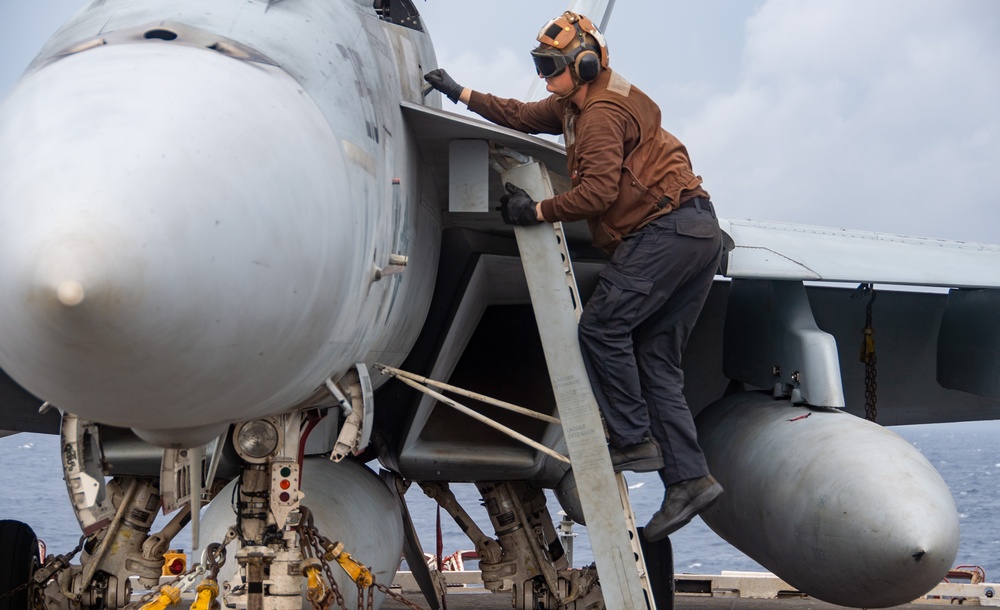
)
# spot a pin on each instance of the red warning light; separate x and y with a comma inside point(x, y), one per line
point(174, 562)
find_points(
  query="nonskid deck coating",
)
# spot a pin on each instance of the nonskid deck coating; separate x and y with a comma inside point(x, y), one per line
point(488, 601)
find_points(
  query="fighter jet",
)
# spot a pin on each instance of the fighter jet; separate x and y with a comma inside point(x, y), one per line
point(230, 232)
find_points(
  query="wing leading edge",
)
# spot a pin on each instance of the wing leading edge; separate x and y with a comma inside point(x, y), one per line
point(780, 251)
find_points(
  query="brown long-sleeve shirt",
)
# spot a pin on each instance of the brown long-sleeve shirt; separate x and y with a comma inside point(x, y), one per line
point(623, 165)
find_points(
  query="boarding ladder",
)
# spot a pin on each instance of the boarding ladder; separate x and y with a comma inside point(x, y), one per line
point(555, 298)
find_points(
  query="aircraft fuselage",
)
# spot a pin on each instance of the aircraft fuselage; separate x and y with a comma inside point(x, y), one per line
point(197, 203)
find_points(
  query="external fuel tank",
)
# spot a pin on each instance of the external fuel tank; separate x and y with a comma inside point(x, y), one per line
point(839, 507)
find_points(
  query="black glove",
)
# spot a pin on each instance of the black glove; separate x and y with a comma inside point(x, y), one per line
point(517, 208)
point(440, 80)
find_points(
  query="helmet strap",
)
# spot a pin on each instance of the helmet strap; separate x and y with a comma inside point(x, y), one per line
point(576, 85)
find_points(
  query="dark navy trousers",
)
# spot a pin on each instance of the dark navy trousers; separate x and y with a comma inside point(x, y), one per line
point(636, 324)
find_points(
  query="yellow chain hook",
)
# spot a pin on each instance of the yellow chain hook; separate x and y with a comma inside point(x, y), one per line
point(169, 596)
point(358, 572)
point(208, 590)
point(312, 569)
point(867, 344)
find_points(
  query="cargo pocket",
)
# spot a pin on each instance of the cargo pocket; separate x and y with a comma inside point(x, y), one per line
point(619, 295)
point(693, 227)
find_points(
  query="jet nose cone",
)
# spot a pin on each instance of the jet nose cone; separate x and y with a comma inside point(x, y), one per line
point(86, 270)
point(173, 230)
point(70, 293)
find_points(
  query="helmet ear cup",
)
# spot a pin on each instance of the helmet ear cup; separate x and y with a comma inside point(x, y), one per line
point(587, 65)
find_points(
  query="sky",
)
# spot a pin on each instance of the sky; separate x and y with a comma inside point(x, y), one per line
point(880, 115)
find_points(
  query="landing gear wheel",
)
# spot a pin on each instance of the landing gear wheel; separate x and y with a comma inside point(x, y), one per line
point(18, 562)
point(659, 558)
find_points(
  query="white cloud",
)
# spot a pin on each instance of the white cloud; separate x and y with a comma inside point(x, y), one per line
point(511, 73)
point(858, 114)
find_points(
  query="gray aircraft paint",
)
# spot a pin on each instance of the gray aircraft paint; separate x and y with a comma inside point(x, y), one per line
point(245, 195)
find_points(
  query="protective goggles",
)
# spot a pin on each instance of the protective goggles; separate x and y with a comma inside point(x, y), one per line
point(548, 65)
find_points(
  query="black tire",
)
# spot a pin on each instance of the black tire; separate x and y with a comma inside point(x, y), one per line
point(659, 558)
point(18, 561)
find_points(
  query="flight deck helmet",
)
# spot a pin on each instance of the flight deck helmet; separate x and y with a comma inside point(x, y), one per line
point(571, 41)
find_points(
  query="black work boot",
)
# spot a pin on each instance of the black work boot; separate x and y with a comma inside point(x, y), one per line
point(640, 457)
point(681, 503)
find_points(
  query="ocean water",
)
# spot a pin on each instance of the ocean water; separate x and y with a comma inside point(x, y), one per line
point(966, 454)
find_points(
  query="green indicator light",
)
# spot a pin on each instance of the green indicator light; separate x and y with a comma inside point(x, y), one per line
point(286, 471)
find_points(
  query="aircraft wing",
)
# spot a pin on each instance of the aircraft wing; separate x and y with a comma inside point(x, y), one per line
point(767, 250)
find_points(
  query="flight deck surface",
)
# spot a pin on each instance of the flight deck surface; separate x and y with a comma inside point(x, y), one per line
point(488, 601)
point(726, 591)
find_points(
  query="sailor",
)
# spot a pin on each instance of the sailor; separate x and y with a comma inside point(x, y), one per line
point(633, 183)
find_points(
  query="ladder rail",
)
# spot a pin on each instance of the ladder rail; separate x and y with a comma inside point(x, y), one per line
point(612, 530)
point(619, 476)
